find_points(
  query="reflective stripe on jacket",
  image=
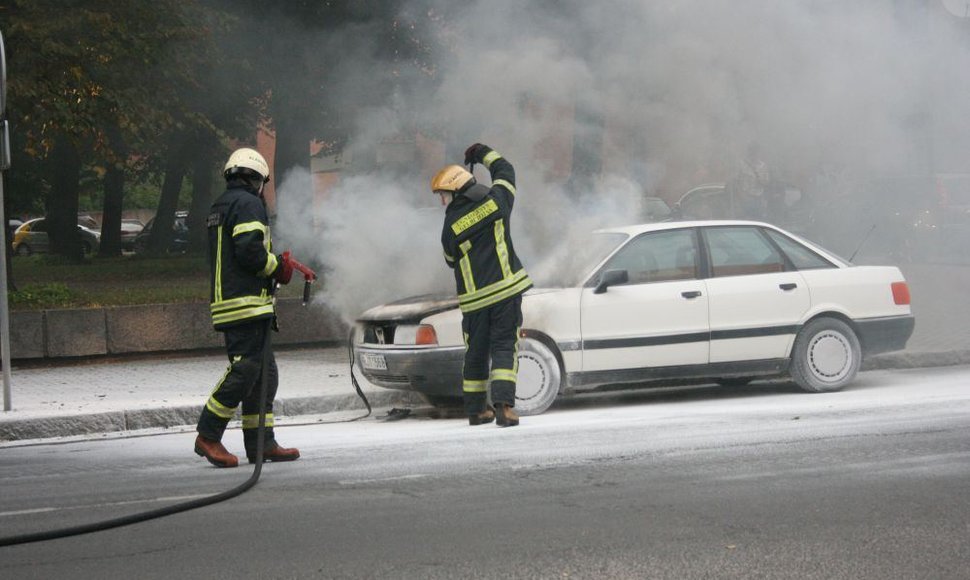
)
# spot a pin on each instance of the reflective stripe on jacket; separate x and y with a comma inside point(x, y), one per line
point(477, 242)
point(241, 260)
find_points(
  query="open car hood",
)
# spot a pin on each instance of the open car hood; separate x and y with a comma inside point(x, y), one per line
point(413, 308)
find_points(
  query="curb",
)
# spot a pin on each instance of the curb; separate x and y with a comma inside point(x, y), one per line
point(187, 415)
point(180, 416)
point(915, 360)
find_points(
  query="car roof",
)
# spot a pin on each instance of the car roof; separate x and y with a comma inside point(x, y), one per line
point(633, 230)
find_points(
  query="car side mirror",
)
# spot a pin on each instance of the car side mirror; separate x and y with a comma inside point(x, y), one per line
point(611, 278)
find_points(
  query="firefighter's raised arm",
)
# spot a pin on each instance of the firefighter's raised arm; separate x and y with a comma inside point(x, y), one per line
point(502, 172)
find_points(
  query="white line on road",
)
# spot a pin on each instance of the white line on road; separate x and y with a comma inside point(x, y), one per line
point(382, 479)
point(100, 505)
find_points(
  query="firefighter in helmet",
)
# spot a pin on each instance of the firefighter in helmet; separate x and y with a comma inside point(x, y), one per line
point(243, 269)
point(490, 279)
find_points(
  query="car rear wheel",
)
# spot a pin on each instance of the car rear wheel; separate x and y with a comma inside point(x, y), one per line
point(539, 378)
point(826, 356)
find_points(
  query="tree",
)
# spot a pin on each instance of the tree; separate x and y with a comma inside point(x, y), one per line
point(117, 82)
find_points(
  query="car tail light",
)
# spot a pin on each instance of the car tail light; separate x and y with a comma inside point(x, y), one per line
point(900, 293)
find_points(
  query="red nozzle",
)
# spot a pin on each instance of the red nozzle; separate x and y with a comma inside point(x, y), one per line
point(308, 274)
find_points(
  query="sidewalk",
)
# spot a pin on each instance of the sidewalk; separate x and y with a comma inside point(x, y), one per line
point(168, 392)
point(124, 395)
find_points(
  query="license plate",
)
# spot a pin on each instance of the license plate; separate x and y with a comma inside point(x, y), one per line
point(373, 361)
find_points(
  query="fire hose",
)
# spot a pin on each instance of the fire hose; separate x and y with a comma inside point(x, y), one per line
point(309, 276)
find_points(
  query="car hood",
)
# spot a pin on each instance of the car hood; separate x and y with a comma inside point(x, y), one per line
point(412, 308)
point(415, 308)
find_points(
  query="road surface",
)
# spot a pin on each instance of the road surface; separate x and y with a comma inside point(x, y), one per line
point(696, 482)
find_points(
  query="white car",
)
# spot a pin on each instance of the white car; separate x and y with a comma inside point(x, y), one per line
point(728, 301)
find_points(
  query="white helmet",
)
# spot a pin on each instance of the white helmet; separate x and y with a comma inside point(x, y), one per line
point(246, 159)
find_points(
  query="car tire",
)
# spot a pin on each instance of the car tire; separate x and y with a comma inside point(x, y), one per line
point(539, 378)
point(86, 248)
point(24, 250)
point(826, 356)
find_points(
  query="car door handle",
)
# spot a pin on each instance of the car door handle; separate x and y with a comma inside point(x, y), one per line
point(788, 286)
point(691, 294)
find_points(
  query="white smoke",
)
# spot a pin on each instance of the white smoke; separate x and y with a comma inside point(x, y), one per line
point(873, 88)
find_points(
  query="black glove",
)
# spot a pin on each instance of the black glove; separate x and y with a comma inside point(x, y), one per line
point(284, 270)
point(475, 153)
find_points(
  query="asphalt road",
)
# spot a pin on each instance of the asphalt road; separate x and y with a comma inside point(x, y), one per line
point(702, 482)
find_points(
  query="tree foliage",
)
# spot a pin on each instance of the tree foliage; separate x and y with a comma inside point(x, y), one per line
point(105, 95)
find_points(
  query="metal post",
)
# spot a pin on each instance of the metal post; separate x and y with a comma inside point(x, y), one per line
point(4, 164)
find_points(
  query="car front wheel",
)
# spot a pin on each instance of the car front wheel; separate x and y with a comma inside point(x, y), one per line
point(826, 356)
point(539, 378)
point(24, 250)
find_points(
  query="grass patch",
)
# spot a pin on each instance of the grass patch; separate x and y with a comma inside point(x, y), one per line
point(48, 282)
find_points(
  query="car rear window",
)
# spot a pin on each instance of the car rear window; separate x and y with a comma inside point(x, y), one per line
point(803, 258)
point(742, 250)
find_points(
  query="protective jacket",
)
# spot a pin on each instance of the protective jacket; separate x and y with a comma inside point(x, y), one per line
point(241, 260)
point(477, 242)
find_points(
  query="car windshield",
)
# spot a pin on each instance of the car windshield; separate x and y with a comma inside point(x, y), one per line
point(573, 261)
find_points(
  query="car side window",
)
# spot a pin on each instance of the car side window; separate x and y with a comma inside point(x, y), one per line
point(39, 226)
point(803, 258)
point(742, 250)
point(657, 257)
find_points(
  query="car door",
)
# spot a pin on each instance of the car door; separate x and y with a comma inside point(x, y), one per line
point(658, 317)
point(757, 299)
point(37, 238)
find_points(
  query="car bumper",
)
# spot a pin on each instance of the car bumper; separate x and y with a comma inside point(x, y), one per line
point(431, 371)
point(879, 335)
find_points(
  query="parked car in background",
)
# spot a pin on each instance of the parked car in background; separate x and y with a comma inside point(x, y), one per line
point(12, 225)
point(655, 209)
point(32, 238)
point(180, 241)
point(783, 205)
point(724, 301)
point(130, 229)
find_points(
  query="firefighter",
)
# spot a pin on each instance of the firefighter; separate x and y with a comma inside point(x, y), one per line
point(490, 279)
point(243, 269)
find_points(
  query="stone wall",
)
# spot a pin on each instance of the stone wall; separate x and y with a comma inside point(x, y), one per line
point(152, 328)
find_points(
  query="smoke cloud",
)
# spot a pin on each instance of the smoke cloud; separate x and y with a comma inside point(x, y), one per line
point(830, 92)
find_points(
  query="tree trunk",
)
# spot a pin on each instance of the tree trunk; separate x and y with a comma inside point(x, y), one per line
point(162, 234)
point(292, 152)
point(203, 174)
point(114, 195)
point(61, 204)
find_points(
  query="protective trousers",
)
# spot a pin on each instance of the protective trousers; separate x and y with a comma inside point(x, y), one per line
point(241, 384)
point(491, 331)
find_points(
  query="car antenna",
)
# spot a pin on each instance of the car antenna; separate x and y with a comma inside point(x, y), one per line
point(864, 238)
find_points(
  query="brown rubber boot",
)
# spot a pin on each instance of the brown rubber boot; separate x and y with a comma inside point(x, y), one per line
point(505, 415)
point(215, 452)
point(486, 416)
point(276, 453)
